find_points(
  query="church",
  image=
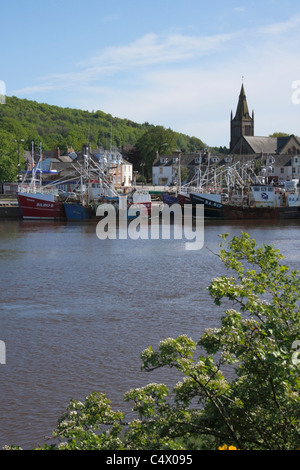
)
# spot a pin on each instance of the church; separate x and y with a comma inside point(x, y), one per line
point(244, 142)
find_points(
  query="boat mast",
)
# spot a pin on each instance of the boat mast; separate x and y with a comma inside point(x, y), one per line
point(208, 169)
point(179, 175)
point(32, 167)
point(40, 161)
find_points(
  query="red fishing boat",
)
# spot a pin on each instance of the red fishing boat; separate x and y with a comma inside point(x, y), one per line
point(39, 205)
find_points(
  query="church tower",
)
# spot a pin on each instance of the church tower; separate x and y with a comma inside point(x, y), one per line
point(242, 124)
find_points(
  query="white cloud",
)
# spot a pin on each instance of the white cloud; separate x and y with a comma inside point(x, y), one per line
point(147, 51)
point(35, 89)
point(152, 50)
point(281, 27)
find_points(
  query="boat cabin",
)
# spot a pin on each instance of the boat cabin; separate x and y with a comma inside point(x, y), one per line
point(270, 196)
point(263, 196)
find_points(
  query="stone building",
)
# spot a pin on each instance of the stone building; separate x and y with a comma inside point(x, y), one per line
point(244, 142)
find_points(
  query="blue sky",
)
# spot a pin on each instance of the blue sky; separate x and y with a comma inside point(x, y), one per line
point(176, 63)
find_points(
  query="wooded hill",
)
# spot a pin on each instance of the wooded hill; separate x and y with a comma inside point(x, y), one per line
point(54, 126)
point(26, 121)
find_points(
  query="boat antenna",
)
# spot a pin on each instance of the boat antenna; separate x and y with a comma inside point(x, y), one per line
point(111, 135)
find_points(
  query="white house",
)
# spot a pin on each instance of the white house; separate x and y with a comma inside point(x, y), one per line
point(120, 169)
point(163, 170)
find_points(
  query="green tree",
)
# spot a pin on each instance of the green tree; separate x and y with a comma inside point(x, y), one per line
point(184, 174)
point(9, 157)
point(258, 408)
point(279, 134)
point(156, 140)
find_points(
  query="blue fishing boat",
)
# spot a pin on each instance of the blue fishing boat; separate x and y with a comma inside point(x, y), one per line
point(170, 199)
point(76, 211)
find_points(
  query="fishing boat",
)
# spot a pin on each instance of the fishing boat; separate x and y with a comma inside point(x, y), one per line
point(95, 188)
point(76, 211)
point(142, 198)
point(40, 205)
point(169, 198)
point(184, 195)
point(209, 181)
point(37, 201)
point(262, 201)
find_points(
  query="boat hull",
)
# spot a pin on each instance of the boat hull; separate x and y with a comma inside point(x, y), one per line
point(169, 199)
point(78, 212)
point(184, 199)
point(145, 211)
point(218, 210)
point(39, 206)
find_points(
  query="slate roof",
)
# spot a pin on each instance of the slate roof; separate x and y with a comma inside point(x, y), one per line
point(268, 145)
point(262, 144)
point(185, 159)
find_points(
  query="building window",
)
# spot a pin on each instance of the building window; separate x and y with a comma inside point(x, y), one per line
point(281, 170)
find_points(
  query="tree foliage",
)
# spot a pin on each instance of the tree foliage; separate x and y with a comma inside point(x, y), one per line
point(257, 408)
point(9, 156)
point(279, 134)
point(53, 127)
point(161, 141)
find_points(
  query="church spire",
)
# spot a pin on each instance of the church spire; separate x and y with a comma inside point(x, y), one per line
point(242, 124)
point(242, 111)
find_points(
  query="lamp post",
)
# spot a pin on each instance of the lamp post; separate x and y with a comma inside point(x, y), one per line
point(18, 142)
point(142, 164)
